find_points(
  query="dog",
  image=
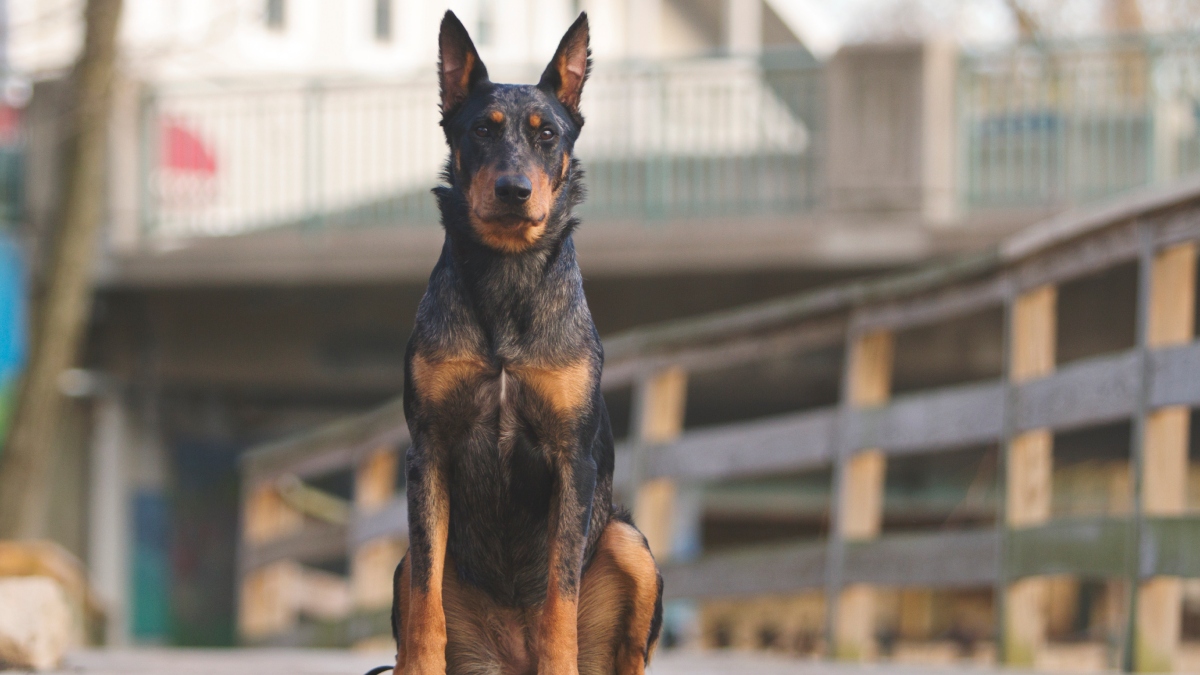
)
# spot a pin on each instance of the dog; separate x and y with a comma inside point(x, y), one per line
point(518, 561)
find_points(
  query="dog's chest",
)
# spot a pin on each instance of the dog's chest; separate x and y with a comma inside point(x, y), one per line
point(543, 397)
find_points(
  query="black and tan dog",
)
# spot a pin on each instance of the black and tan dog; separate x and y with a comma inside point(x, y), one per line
point(518, 562)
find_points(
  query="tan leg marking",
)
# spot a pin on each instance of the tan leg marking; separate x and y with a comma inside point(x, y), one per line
point(616, 604)
point(434, 379)
point(402, 602)
point(425, 623)
point(558, 633)
point(482, 638)
point(564, 388)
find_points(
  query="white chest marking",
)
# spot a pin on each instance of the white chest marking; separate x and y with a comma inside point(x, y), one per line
point(503, 385)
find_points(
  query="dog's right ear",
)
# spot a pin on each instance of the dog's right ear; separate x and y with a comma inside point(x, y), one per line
point(459, 67)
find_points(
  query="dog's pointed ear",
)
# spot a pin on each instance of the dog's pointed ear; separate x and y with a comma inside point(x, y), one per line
point(459, 67)
point(569, 68)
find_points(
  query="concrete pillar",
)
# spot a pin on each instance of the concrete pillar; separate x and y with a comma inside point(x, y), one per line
point(108, 514)
point(743, 26)
point(125, 146)
point(891, 119)
point(643, 28)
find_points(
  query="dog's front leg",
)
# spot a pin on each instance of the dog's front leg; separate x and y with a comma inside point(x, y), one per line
point(570, 514)
point(424, 651)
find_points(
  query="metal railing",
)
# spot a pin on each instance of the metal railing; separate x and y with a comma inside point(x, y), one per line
point(1068, 122)
point(1045, 125)
point(664, 140)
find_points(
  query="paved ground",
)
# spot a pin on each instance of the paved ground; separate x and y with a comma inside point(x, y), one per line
point(314, 662)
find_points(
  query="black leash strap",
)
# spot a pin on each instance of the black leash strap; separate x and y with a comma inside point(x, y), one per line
point(379, 669)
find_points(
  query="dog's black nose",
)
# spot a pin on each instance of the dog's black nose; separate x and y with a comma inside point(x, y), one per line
point(513, 189)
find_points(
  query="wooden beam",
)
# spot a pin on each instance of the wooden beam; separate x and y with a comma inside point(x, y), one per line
point(1170, 321)
point(1165, 472)
point(962, 559)
point(1159, 622)
point(267, 516)
point(1029, 470)
point(313, 543)
point(660, 401)
point(1030, 477)
point(371, 571)
point(1175, 379)
point(950, 417)
point(935, 306)
point(855, 624)
point(265, 603)
point(1172, 318)
point(373, 563)
point(331, 447)
point(1034, 334)
point(788, 443)
point(1089, 392)
point(915, 622)
point(1025, 621)
point(862, 500)
point(268, 603)
point(941, 560)
point(375, 479)
point(869, 383)
point(814, 334)
point(870, 375)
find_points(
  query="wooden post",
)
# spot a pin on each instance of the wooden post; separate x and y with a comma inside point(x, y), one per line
point(1170, 321)
point(373, 563)
point(861, 505)
point(267, 606)
point(659, 401)
point(915, 622)
point(1029, 475)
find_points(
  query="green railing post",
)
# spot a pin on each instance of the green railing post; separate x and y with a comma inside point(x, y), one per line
point(314, 160)
point(149, 158)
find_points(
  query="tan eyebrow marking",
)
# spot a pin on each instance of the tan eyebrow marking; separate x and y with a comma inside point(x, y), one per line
point(496, 116)
point(535, 120)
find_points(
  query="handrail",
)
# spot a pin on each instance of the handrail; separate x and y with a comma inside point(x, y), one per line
point(1038, 238)
point(309, 452)
point(667, 338)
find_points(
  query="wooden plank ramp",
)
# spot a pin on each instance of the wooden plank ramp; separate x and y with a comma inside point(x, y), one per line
point(333, 662)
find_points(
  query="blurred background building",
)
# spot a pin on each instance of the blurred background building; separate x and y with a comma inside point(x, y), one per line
point(270, 226)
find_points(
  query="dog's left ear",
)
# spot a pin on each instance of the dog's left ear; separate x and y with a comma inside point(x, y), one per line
point(569, 68)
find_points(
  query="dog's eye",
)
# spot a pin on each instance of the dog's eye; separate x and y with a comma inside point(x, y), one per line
point(547, 134)
point(482, 131)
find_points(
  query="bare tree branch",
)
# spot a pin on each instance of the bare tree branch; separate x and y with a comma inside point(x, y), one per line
point(61, 315)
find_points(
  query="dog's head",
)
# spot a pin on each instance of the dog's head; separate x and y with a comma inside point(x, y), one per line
point(511, 145)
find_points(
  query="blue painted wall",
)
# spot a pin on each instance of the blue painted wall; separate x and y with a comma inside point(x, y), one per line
point(13, 341)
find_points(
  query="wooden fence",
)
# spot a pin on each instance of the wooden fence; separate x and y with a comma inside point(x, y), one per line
point(1153, 386)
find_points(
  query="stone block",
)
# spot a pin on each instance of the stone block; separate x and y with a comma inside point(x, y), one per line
point(35, 622)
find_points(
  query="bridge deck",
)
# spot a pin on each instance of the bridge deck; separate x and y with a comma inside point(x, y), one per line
point(319, 662)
